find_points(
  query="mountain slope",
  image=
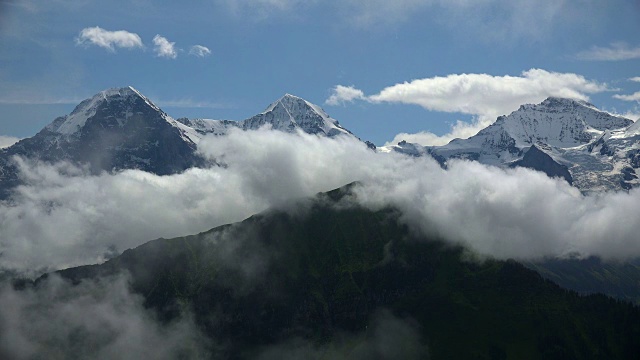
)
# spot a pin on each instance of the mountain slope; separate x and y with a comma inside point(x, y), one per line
point(115, 129)
point(588, 276)
point(324, 267)
point(289, 114)
point(122, 129)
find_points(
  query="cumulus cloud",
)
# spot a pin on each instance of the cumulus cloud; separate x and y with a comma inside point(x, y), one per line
point(488, 95)
point(484, 96)
point(95, 319)
point(343, 94)
point(64, 217)
point(615, 52)
point(109, 39)
point(635, 79)
point(164, 48)
point(6, 141)
point(199, 51)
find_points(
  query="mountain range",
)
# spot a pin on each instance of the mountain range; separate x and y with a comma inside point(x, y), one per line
point(323, 272)
point(122, 129)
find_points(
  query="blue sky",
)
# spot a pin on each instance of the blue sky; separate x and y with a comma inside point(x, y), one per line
point(429, 69)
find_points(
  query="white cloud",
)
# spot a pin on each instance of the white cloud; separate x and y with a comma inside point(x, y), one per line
point(487, 95)
point(343, 94)
point(164, 48)
point(633, 97)
point(6, 141)
point(424, 138)
point(199, 51)
point(615, 52)
point(63, 217)
point(109, 39)
point(484, 96)
point(635, 79)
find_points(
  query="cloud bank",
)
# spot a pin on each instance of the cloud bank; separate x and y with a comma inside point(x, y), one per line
point(481, 95)
point(64, 217)
point(109, 40)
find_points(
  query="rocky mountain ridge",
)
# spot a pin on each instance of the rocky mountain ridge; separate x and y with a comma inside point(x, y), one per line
point(120, 128)
point(592, 149)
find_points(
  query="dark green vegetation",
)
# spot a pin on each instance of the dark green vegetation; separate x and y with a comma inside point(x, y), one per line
point(323, 268)
point(586, 276)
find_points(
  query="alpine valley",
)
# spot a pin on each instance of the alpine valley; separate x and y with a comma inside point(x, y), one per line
point(326, 276)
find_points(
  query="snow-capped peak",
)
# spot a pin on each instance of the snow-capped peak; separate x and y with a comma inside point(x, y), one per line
point(558, 122)
point(291, 113)
point(87, 109)
point(554, 101)
point(295, 105)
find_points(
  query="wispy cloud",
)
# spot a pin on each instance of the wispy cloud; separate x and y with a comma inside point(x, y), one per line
point(635, 79)
point(633, 97)
point(164, 48)
point(615, 52)
point(344, 94)
point(481, 95)
point(199, 51)
point(491, 19)
point(109, 40)
point(263, 9)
